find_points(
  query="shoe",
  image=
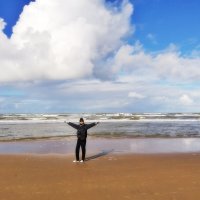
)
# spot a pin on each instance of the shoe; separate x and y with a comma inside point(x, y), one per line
point(76, 161)
point(81, 161)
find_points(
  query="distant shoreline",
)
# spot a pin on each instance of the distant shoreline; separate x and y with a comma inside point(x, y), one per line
point(103, 117)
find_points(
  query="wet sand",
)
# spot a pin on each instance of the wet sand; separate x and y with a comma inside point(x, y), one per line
point(98, 144)
point(108, 176)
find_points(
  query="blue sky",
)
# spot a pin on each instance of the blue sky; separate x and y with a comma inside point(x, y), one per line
point(147, 65)
point(171, 21)
point(10, 11)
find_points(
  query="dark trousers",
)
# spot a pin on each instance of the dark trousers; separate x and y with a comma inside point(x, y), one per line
point(82, 144)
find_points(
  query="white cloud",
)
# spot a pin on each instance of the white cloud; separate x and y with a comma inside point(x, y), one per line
point(136, 95)
point(168, 64)
point(186, 100)
point(100, 96)
point(2, 24)
point(59, 40)
point(62, 39)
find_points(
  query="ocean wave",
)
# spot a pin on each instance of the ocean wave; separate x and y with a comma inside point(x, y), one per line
point(14, 130)
point(100, 116)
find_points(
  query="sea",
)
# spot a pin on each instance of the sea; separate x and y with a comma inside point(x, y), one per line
point(18, 127)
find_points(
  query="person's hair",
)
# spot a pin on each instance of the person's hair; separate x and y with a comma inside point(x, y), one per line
point(81, 120)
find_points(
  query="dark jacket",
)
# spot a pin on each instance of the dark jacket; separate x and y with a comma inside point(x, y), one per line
point(81, 129)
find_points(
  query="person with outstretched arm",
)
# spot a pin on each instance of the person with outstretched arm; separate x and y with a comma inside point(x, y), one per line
point(81, 137)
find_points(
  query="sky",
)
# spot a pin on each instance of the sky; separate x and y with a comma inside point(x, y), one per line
point(72, 56)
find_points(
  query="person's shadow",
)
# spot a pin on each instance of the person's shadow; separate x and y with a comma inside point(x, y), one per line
point(103, 153)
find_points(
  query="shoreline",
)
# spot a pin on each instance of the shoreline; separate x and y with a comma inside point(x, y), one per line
point(65, 146)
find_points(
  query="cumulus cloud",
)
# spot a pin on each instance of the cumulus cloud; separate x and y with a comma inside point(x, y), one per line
point(62, 39)
point(168, 64)
point(59, 40)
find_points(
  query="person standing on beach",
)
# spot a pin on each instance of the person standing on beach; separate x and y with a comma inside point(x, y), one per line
point(81, 137)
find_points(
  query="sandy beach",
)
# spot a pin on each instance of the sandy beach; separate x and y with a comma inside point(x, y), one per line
point(108, 176)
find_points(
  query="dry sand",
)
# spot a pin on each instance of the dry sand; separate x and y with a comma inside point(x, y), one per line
point(112, 176)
